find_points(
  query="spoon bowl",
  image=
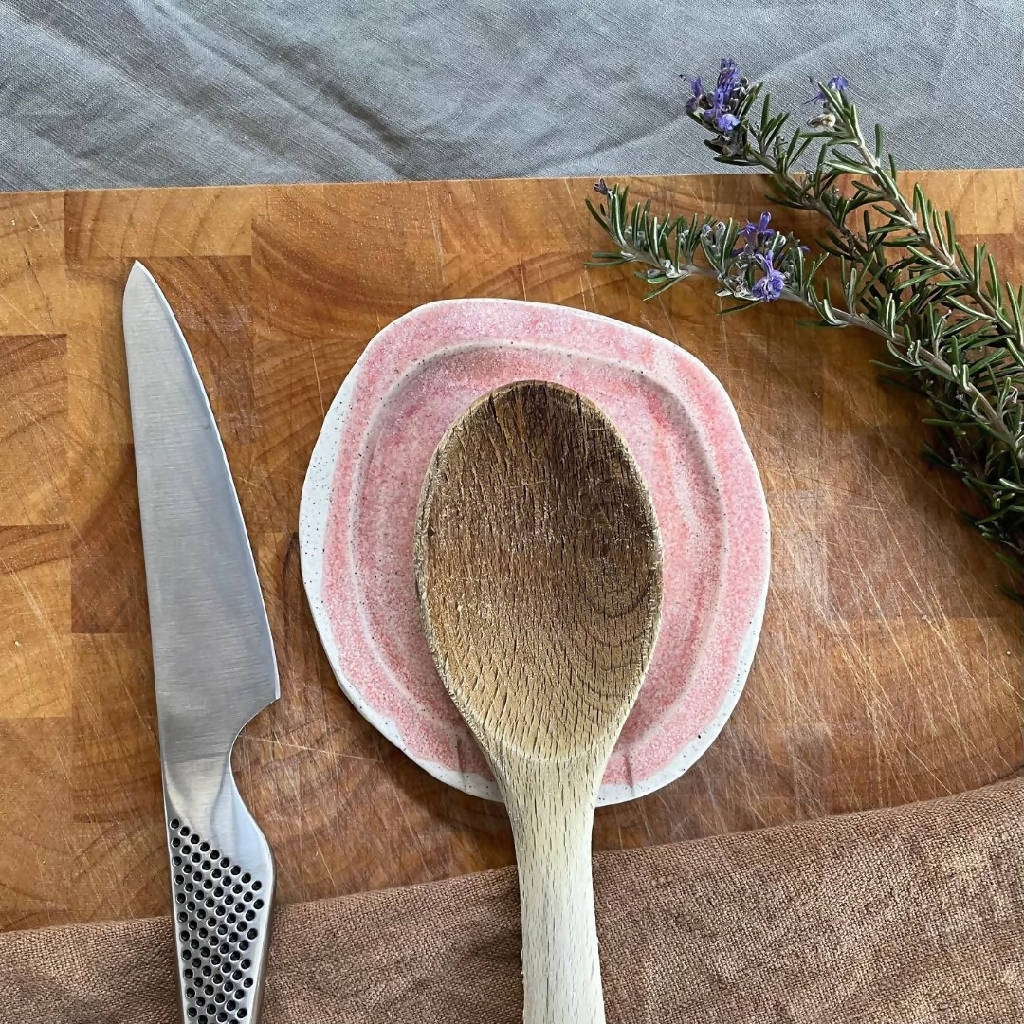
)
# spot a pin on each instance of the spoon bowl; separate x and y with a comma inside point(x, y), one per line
point(538, 570)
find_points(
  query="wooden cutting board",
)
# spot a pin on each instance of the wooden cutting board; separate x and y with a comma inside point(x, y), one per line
point(889, 668)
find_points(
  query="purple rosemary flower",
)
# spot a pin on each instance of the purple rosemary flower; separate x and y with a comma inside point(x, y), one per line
point(729, 93)
point(729, 80)
point(837, 82)
point(723, 120)
point(756, 236)
point(718, 108)
point(769, 287)
point(601, 187)
point(697, 88)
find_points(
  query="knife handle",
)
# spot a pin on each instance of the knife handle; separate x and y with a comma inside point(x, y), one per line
point(222, 887)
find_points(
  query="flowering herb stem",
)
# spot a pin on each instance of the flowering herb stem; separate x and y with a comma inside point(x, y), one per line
point(888, 263)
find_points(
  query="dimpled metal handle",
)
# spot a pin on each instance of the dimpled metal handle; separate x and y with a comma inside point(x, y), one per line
point(222, 885)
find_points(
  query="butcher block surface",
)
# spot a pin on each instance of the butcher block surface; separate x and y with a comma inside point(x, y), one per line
point(889, 667)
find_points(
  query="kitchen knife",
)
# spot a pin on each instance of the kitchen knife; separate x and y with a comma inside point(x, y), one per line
point(214, 664)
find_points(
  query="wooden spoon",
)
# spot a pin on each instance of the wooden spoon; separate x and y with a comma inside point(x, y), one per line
point(538, 569)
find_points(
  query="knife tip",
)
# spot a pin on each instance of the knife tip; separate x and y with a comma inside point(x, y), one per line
point(139, 288)
point(139, 273)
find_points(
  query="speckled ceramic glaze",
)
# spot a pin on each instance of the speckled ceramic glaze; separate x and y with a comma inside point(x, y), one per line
point(363, 484)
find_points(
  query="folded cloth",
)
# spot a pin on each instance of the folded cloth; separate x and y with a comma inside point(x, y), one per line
point(912, 914)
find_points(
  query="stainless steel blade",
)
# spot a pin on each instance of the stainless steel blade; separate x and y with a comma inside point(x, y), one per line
point(213, 658)
point(212, 651)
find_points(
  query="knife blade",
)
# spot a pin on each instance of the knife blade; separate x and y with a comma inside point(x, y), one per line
point(213, 661)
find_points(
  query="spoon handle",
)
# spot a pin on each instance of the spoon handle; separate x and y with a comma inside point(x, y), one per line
point(552, 815)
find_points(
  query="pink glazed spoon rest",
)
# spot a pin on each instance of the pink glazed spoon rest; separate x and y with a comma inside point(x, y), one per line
point(362, 488)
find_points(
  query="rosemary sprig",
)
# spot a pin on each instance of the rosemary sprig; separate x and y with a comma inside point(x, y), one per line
point(888, 263)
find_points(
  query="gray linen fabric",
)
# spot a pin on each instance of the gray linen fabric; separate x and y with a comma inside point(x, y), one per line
point(101, 93)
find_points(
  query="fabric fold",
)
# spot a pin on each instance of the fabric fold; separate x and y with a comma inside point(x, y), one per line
point(903, 916)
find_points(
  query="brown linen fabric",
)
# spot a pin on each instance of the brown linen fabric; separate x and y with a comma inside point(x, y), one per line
point(902, 916)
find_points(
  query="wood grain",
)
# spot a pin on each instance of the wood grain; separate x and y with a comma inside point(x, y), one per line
point(538, 567)
point(889, 667)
